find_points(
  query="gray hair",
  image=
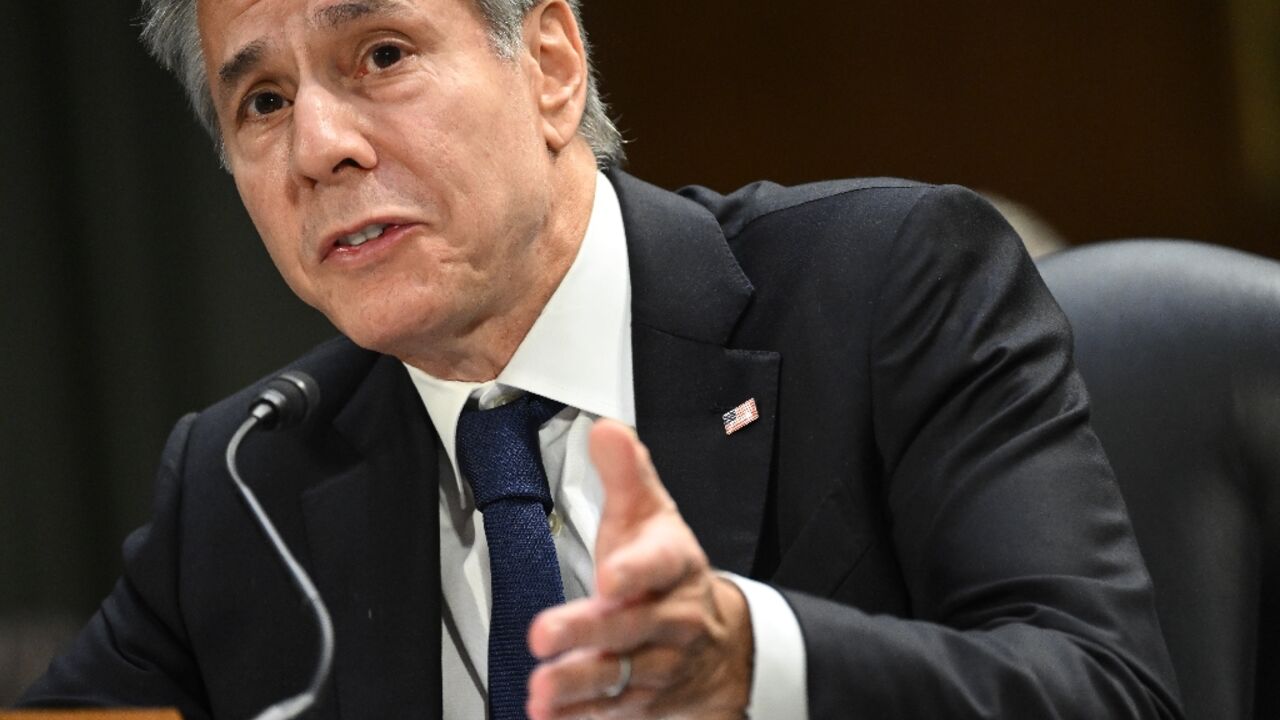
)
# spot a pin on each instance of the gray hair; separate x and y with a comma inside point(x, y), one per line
point(172, 36)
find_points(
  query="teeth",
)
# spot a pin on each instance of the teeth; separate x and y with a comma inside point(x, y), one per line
point(357, 239)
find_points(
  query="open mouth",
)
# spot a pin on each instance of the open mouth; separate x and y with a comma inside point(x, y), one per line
point(362, 236)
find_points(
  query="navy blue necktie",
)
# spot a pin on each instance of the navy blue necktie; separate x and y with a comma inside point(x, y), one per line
point(498, 454)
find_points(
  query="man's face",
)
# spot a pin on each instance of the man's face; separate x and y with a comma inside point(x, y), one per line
point(394, 165)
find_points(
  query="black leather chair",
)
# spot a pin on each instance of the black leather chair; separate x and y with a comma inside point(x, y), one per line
point(1179, 344)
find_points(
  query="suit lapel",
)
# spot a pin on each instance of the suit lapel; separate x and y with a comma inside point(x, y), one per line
point(373, 532)
point(688, 294)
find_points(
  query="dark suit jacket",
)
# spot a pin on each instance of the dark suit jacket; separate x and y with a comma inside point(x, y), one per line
point(922, 482)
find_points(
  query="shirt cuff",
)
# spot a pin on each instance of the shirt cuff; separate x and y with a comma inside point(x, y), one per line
point(779, 654)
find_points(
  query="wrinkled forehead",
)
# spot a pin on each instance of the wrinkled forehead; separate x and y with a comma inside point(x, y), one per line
point(238, 23)
point(228, 24)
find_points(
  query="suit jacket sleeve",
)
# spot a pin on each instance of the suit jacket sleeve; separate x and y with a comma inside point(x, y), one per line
point(1028, 595)
point(134, 651)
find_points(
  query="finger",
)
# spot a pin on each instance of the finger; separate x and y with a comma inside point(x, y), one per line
point(585, 675)
point(634, 498)
point(631, 486)
point(662, 554)
point(548, 633)
point(574, 677)
point(676, 620)
point(632, 704)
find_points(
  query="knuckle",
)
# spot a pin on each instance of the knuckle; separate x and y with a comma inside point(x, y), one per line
point(687, 624)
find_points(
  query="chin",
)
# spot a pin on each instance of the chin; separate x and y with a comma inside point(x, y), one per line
point(388, 330)
point(387, 341)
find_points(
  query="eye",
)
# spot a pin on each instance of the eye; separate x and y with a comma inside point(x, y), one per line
point(382, 57)
point(261, 104)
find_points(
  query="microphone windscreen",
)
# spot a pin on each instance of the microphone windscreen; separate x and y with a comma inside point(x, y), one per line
point(291, 396)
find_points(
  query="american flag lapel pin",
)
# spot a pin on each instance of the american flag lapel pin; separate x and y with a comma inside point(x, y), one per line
point(740, 417)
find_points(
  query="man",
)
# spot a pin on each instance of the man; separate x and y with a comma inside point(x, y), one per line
point(858, 392)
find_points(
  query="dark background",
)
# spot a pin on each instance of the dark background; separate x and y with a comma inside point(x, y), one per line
point(134, 288)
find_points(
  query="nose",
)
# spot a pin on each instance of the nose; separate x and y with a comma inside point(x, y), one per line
point(328, 141)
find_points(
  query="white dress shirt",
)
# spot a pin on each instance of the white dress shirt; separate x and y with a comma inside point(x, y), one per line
point(577, 352)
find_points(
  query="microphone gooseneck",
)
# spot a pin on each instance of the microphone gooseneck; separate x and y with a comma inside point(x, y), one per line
point(285, 402)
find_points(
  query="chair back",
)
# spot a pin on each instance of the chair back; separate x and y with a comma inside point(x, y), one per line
point(1179, 345)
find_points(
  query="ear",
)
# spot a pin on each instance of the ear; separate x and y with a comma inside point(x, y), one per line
point(560, 70)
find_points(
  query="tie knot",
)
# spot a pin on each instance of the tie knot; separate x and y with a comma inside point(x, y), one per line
point(498, 450)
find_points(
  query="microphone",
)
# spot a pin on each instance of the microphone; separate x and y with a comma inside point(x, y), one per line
point(285, 402)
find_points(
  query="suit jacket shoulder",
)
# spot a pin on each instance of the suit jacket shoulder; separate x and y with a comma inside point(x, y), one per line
point(745, 205)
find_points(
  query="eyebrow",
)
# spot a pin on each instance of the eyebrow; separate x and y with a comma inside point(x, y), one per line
point(332, 16)
point(328, 17)
point(240, 64)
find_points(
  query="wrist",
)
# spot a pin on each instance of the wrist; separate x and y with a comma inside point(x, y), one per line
point(739, 643)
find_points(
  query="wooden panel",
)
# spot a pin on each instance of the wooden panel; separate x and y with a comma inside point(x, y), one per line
point(1109, 119)
point(90, 715)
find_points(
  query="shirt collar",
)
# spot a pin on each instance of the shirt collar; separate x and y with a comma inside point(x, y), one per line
point(578, 351)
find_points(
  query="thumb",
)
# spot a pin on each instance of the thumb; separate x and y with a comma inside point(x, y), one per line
point(632, 490)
